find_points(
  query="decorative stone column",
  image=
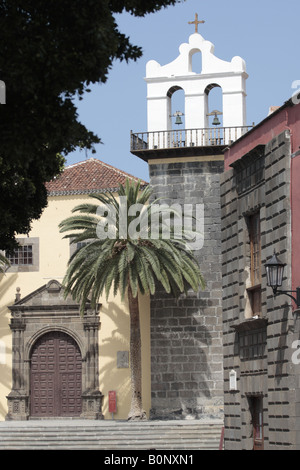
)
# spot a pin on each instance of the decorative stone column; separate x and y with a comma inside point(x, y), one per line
point(18, 398)
point(91, 397)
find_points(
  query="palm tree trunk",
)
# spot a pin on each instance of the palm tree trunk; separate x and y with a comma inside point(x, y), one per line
point(136, 411)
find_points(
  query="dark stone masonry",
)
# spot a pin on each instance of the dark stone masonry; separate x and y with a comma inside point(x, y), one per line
point(258, 348)
point(186, 334)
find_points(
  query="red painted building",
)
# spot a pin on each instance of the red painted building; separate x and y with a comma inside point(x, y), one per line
point(285, 118)
point(260, 199)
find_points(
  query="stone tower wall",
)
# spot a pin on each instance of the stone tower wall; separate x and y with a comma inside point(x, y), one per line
point(186, 334)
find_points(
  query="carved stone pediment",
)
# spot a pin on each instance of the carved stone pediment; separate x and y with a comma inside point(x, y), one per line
point(48, 298)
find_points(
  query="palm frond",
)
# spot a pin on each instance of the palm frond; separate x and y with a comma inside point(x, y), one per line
point(114, 264)
point(4, 263)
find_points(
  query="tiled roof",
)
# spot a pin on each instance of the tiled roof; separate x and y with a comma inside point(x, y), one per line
point(89, 176)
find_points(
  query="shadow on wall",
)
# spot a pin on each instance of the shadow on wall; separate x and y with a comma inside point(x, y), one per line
point(112, 377)
point(5, 284)
point(5, 346)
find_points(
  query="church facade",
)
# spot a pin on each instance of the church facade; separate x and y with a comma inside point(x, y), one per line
point(54, 362)
point(58, 364)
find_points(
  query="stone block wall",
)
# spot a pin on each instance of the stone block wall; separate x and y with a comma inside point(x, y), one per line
point(258, 350)
point(186, 334)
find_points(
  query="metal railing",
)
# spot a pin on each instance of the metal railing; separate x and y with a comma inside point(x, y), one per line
point(186, 138)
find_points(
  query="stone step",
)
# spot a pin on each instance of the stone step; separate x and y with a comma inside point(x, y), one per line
point(110, 435)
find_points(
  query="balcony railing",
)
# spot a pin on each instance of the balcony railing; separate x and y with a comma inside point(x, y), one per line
point(220, 136)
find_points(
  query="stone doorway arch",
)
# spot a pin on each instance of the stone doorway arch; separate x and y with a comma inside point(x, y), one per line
point(55, 376)
point(40, 316)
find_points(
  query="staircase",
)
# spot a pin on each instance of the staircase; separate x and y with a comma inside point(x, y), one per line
point(110, 435)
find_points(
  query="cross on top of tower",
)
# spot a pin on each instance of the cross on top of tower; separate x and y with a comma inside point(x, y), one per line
point(196, 22)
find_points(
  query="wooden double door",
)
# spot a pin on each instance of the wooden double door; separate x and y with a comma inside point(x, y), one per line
point(256, 409)
point(56, 376)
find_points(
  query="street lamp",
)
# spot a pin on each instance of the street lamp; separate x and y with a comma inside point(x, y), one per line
point(274, 269)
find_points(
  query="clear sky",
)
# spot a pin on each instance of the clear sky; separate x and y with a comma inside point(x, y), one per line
point(265, 33)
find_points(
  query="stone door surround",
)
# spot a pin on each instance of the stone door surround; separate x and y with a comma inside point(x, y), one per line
point(47, 310)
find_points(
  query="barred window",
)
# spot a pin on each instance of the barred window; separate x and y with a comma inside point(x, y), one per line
point(254, 292)
point(76, 246)
point(255, 246)
point(22, 256)
point(25, 258)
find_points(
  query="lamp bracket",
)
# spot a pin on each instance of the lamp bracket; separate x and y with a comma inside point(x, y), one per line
point(288, 293)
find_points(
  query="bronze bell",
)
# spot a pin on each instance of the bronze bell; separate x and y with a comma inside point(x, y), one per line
point(178, 120)
point(216, 121)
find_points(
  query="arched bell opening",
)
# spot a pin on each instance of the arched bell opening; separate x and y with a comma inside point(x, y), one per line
point(176, 108)
point(214, 106)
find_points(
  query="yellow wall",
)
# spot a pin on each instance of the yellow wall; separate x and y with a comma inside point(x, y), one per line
point(114, 331)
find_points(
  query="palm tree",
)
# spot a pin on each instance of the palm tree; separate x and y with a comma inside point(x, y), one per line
point(4, 263)
point(111, 258)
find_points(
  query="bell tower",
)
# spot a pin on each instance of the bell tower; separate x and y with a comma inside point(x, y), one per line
point(162, 81)
point(185, 165)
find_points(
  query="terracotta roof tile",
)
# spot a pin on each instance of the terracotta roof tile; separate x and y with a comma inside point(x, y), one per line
point(88, 176)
